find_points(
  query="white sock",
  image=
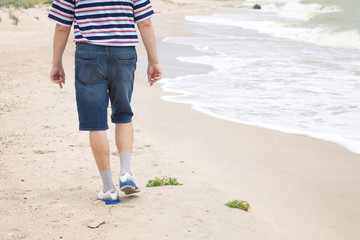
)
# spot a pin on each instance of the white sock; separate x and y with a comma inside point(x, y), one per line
point(108, 183)
point(125, 163)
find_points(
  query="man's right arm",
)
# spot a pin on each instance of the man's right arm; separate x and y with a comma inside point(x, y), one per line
point(61, 36)
point(148, 36)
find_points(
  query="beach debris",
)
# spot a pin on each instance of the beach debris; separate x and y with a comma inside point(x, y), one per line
point(240, 204)
point(38, 151)
point(14, 19)
point(256, 6)
point(162, 182)
point(95, 224)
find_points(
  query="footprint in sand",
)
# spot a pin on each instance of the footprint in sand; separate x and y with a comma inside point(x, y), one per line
point(15, 233)
point(154, 164)
point(43, 151)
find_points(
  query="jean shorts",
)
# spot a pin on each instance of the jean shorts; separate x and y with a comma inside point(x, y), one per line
point(103, 73)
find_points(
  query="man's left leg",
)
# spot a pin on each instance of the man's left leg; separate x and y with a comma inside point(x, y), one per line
point(100, 148)
point(91, 84)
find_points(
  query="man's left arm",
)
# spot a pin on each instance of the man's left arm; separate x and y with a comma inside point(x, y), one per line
point(61, 36)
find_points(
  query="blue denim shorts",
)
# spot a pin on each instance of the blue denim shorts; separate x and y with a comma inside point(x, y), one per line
point(103, 73)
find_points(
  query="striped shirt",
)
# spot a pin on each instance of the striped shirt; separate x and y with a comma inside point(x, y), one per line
point(102, 22)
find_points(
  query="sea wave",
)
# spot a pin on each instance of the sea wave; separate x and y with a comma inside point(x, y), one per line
point(334, 138)
point(295, 9)
point(308, 91)
point(322, 35)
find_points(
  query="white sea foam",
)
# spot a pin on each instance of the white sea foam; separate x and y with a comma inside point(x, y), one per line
point(274, 83)
point(290, 20)
point(322, 35)
point(352, 145)
point(295, 9)
point(304, 12)
point(278, 75)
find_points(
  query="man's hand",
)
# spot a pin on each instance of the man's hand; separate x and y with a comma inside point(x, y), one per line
point(154, 73)
point(57, 75)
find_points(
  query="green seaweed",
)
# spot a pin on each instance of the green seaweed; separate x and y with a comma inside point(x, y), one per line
point(243, 205)
point(162, 182)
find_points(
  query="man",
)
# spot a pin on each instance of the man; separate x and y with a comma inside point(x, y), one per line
point(105, 62)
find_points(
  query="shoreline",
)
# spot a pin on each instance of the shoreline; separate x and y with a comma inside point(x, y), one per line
point(325, 136)
point(287, 130)
point(267, 161)
point(288, 149)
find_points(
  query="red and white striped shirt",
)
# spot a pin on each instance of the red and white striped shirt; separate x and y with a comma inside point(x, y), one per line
point(102, 22)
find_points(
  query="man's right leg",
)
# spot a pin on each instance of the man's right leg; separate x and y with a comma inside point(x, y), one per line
point(121, 80)
point(124, 135)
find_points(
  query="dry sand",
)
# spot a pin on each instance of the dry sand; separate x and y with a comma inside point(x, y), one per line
point(298, 187)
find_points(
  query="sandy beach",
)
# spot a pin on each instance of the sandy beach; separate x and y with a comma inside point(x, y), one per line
point(299, 188)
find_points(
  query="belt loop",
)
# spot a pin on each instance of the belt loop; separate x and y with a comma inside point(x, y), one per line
point(78, 44)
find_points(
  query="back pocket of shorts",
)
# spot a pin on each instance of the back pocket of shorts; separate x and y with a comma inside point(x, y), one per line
point(87, 70)
point(125, 70)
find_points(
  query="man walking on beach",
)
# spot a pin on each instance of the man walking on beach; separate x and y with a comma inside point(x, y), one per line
point(105, 62)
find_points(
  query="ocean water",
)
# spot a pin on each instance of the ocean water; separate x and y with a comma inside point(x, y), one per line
point(292, 66)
